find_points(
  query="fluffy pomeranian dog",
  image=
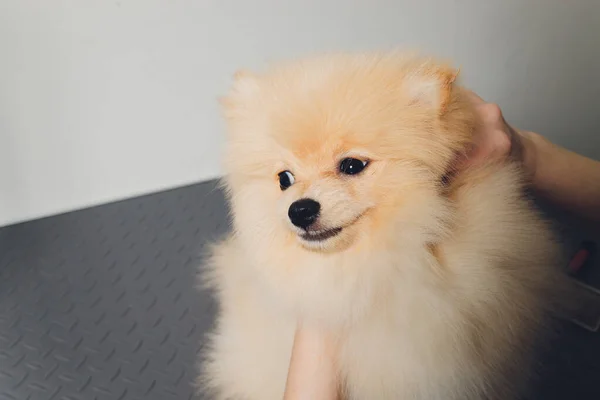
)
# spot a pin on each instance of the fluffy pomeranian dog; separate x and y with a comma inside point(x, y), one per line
point(435, 289)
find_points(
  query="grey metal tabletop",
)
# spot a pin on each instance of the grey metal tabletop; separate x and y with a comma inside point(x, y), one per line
point(102, 304)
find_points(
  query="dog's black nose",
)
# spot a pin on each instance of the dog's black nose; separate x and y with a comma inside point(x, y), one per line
point(304, 212)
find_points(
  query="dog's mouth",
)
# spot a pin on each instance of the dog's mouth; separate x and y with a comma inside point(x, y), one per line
point(320, 235)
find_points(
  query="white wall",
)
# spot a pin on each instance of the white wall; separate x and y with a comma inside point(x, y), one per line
point(101, 100)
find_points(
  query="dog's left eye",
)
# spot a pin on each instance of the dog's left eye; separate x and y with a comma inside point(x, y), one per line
point(352, 166)
point(286, 179)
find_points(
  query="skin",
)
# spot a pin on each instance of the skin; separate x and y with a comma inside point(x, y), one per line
point(561, 176)
point(567, 179)
point(312, 372)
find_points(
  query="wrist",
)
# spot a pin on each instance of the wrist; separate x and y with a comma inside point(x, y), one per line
point(529, 144)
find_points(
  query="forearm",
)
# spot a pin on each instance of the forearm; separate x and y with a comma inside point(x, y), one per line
point(563, 177)
point(312, 374)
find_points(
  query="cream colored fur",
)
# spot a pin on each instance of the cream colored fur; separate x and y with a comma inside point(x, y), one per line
point(434, 292)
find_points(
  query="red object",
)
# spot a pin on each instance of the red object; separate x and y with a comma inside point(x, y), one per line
point(578, 260)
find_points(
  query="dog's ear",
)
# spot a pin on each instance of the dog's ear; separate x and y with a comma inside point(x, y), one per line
point(245, 86)
point(245, 83)
point(431, 86)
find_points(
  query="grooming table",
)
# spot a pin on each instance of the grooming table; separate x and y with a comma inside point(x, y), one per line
point(102, 304)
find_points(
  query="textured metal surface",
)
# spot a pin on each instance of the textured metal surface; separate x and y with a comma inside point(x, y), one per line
point(101, 304)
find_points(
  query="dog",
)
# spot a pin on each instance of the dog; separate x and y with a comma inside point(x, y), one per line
point(435, 289)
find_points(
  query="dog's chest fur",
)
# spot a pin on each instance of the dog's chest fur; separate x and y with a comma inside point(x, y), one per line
point(409, 326)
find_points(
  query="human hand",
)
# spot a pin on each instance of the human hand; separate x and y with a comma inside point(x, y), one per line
point(495, 139)
point(312, 374)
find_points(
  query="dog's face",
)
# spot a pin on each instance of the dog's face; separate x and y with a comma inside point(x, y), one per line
point(340, 152)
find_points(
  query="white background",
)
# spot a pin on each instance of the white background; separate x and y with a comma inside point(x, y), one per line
point(101, 100)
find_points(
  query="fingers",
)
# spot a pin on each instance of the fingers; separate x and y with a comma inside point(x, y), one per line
point(492, 140)
point(474, 98)
point(490, 112)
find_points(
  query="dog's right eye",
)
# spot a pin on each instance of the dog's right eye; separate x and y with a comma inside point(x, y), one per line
point(286, 179)
point(352, 166)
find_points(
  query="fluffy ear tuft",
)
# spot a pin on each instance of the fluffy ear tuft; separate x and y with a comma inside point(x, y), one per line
point(432, 85)
point(245, 83)
point(245, 86)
